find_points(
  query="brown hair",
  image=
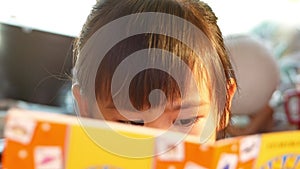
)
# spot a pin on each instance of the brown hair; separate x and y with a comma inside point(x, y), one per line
point(213, 62)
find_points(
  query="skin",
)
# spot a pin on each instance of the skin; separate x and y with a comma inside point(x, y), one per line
point(195, 109)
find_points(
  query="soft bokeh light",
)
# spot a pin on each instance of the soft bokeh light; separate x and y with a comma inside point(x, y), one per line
point(57, 16)
point(236, 16)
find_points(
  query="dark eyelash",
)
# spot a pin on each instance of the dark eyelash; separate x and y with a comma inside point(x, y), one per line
point(138, 122)
point(198, 118)
point(193, 120)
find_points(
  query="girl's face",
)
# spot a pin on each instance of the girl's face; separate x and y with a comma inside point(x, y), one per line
point(194, 106)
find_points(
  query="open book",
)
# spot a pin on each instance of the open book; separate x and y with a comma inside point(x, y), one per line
point(36, 140)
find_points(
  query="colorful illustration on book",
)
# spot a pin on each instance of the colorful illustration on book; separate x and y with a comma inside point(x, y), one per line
point(191, 165)
point(249, 147)
point(20, 129)
point(46, 157)
point(54, 144)
point(288, 161)
point(22, 154)
point(171, 151)
point(228, 161)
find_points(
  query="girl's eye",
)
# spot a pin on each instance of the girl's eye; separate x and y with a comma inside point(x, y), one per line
point(137, 122)
point(186, 122)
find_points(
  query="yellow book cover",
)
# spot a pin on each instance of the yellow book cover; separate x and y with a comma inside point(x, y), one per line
point(36, 140)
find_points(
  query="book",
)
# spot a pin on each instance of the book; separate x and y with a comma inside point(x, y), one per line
point(40, 140)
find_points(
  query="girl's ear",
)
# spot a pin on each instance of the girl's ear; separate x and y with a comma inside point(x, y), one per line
point(231, 91)
point(82, 104)
point(225, 119)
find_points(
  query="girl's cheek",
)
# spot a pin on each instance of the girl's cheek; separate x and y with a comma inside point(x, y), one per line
point(203, 129)
point(194, 130)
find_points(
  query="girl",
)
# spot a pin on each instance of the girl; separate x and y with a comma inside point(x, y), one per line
point(154, 63)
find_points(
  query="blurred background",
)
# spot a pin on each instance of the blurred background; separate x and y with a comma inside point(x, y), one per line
point(35, 53)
